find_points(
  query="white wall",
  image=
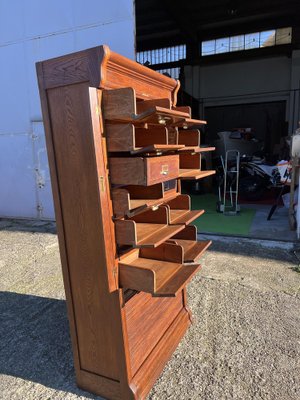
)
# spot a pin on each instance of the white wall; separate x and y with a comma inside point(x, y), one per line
point(31, 31)
point(250, 81)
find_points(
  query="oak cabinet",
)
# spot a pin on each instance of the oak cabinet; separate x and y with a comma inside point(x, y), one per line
point(118, 147)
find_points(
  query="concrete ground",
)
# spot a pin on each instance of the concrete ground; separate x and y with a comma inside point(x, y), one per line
point(277, 228)
point(244, 343)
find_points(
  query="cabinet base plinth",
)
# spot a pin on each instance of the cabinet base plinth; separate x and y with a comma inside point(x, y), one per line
point(148, 373)
point(154, 364)
point(107, 388)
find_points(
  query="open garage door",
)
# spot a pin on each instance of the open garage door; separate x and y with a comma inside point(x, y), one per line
point(267, 120)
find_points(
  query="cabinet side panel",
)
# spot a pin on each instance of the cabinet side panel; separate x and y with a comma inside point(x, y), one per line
point(58, 216)
point(97, 313)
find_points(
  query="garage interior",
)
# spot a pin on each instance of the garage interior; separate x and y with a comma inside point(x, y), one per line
point(239, 68)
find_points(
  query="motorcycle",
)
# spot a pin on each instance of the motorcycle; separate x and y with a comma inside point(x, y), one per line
point(254, 178)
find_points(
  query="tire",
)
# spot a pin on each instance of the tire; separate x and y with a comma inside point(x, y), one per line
point(218, 206)
point(252, 187)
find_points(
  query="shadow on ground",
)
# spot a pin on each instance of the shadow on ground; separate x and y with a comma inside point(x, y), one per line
point(27, 225)
point(35, 343)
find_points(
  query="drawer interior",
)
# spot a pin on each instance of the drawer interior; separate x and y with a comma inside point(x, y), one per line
point(191, 141)
point(146, 105)
point(188, 233)
point(136, 140)
point(143, 234)
point(175, 212)
point(156, 271)
point(190, 166)
point(193, 249)
point(134, 199)
point(157, 216)
point(122, 105)
point(185, 109)
point(189, 137)
point(180, 210)
point(185, 249)
point(187, 239)
point(184, 216)
point(190, 161)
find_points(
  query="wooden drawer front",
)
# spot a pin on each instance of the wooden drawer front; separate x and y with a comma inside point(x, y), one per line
point(189, 138)
point(147, 319)
point(190, 161)
point(161, 169)
point(143, 171)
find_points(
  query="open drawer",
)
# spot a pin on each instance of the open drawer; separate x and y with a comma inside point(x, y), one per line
point(128, 138)
point(157, 271)
point(122, 105)
point(187, 239)
point(190, 167)
point(143, 170)
point(191, 141)
point(174, 212)
point(180, 210)
point(196, 149)
point(150, 230)
point(135, 199)
point(194, 174)
point(189, 138)
point(189, 122)
point(190, 161)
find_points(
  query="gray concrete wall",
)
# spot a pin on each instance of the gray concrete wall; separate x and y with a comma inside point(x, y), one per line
point(249, 81)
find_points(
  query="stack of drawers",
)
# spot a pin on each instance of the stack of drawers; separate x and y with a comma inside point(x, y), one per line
point(150, 149)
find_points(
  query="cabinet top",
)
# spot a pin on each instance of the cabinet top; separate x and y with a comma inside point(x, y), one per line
point(102, 68)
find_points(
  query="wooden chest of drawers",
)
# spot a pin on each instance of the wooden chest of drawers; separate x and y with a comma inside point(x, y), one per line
point(118, 147)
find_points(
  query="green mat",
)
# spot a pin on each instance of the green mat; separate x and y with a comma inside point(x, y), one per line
point(214, 222)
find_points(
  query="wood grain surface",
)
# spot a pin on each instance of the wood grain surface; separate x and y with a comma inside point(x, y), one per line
point(194, 174)
point(192, 249)
point(190, 161)
point(144, 332)
point(102, 68)
point(88, 242)
point(121, 219)
point(189, 137)
point(143, 171)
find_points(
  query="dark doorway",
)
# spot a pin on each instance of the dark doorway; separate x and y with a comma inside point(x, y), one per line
point(267, 121)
